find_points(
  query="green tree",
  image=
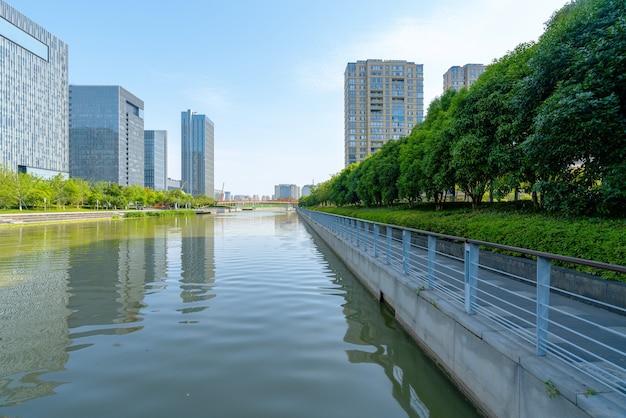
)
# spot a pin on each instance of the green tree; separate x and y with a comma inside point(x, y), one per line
point(203, 200)
point(97, 195)
point(135, 194)
point(25, 186)
point(72, 193)
point(388, 171)
point(488, 128)
point(8, 188)
point(576, 90)
point(340, 186)
point(57, 185)
point(438, 134)
point(368, 187)
point(411, 160)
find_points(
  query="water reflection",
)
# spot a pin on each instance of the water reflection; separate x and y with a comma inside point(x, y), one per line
point(198, 260)
point(386, 344)
point(33, 312)
point(94, 312)
point(61, 286)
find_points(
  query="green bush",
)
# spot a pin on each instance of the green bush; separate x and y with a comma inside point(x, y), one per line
point(595, 239)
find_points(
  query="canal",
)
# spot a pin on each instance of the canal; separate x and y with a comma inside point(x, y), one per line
point(234, 315)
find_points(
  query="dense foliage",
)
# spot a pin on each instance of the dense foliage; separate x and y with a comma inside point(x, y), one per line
point(548, 117)
point(23, 191)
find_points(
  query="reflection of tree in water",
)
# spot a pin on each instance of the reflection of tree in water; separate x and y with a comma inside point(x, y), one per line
point(419, 386)
point(83, 278)
point(33, 336)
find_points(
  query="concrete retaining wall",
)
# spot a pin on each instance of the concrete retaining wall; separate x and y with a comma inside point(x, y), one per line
point(500, 373)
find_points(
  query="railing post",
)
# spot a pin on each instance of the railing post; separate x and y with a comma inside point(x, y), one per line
point(543, 303)
point(471, 273)
point(376, 235)
point(432, 252)
point(389, 233)
point(358, 235)
point(352, 224)
point(406, 250)
point(365, 234)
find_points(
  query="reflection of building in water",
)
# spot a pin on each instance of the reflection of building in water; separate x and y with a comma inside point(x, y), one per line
point(156, 256)
point(33, 325)
point(198, 262)
point(107, 278)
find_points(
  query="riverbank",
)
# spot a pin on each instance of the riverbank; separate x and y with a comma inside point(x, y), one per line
point(11, 219)
point(602, 240)
point(487, 346)
point(34, 218)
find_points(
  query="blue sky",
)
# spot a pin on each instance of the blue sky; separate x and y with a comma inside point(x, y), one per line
point(269, 74)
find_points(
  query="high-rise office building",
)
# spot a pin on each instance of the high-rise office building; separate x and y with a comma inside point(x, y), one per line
point(33, 97)
point(286, 191)
point(155, 159)
point(106, 135)
point(458, 77)
point(197, 154)
point(383, 100)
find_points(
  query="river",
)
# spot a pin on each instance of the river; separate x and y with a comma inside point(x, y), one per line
point(236, 315)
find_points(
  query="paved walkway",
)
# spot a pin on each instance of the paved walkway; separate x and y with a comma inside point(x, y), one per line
point(40, 217)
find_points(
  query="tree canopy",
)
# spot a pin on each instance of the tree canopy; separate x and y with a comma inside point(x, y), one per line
point(549, 117)
point(24, 191)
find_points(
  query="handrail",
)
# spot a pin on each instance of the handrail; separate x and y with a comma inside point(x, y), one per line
point(589, 341)
point(558, 257)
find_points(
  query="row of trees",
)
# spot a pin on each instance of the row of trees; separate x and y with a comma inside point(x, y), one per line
point(22, 190)
point(549, 116)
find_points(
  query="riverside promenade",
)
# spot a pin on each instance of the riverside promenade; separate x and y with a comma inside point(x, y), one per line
point(522, 338)
point(50, 217)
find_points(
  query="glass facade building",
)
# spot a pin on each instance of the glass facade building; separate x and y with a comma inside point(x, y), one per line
point(155, 159)
point(197, 154)
point(106, 135)
point(34, 132)
point(383, 101)
point(286, 191)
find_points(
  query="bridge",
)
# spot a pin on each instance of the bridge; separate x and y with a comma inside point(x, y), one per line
point(260, 204)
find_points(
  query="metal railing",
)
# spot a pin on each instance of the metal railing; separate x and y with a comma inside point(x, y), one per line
point(584, 332)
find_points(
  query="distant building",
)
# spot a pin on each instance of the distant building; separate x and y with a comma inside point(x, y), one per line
point(155, 159)
point(383, 100)
point(241, 198)
point(197, 154)
point(106, 135)
point(286, 191)
point(34, 130)
point(172, 184)
point(462, 77)
point(307, 189)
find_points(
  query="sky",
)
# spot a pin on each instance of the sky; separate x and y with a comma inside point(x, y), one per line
point(269, 74)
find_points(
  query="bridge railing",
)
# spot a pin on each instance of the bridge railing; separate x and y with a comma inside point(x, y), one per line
point(587, 333)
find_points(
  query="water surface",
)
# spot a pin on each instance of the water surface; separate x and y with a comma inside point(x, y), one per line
point(236, 315)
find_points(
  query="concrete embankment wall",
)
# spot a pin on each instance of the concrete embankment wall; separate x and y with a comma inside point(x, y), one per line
point(501, 374)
